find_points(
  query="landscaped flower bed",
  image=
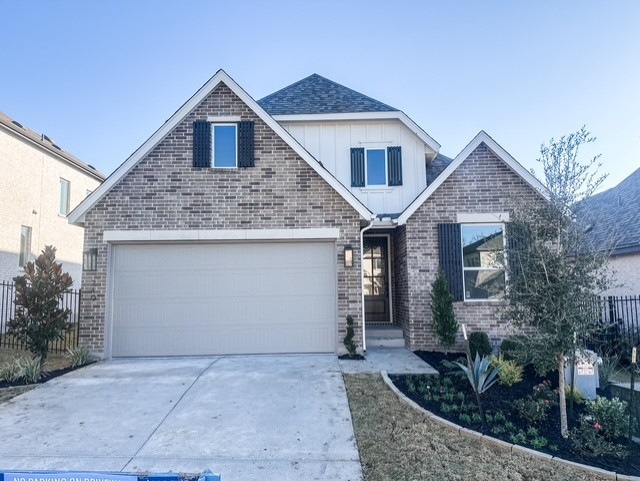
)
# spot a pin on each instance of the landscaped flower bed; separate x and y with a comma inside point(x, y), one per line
point(527, 414)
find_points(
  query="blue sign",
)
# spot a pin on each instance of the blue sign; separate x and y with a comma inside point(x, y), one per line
point(66, 476)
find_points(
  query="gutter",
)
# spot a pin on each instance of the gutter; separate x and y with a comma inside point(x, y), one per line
point(364, 333)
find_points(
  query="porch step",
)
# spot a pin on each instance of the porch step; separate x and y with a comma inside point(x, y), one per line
point(384, 336)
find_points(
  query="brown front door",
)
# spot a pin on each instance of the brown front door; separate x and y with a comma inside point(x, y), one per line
point(376, 279)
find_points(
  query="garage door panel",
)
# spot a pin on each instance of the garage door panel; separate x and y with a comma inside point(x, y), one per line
point(198, 299)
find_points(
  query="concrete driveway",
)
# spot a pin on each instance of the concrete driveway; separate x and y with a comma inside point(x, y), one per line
point(247, 418)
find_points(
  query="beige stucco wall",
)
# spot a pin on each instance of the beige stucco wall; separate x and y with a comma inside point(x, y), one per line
point(30, 196)
point(626, 274)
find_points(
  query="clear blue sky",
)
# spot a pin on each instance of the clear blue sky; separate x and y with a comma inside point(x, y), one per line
point(99, 77)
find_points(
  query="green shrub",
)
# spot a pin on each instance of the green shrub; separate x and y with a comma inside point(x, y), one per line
point(510, 371)
point(578, 397)
point(445, 325)
point(21, 369)
point(10, 371)
point(534, 411)
point(512, 348)
point(588, 439)
point(607, 369)
point(479, 343)
point(79, 356)
point(612, 417)
point(349, 345)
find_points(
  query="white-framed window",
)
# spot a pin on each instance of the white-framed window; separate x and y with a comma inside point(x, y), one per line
point(376, 163)
point(483, 261)
point(224, 138)
point(65, 196)
point(25, 245)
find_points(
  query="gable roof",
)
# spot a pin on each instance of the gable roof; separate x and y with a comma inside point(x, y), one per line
point(319, 95)
point(77, 215)
point(503, 155)
point(49, 145)
point(615, 212)
point(437, 166)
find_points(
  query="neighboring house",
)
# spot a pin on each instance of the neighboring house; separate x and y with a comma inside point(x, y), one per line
point(39, 186)
point(613, 220)
point(257, 227)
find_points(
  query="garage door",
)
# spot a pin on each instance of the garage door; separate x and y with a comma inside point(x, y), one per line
point(242, 298)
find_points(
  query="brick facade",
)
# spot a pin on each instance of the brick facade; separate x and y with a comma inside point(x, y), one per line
point(164, 192)
point(481, 184)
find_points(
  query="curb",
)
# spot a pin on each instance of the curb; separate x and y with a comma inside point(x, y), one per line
point(503, 445)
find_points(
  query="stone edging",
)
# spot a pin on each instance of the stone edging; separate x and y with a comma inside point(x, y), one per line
point(503, 445)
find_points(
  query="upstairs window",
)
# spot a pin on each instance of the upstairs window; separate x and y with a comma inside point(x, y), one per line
point(224, 146)
point(25, 246)
point(65, 196)
point(376, 167)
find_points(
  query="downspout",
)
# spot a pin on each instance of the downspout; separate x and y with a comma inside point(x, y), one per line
point(364, 333)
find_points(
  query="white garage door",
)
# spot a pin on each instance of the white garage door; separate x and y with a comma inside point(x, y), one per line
point(242, 298)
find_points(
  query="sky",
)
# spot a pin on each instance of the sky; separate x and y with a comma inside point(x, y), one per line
point(99, 77)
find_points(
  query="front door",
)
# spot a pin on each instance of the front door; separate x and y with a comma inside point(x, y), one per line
point(376, 280)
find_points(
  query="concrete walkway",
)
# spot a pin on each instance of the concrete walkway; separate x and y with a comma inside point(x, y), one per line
point(394, 360)
point(248, 418)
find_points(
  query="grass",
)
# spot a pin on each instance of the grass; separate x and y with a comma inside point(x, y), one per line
point(398, 443)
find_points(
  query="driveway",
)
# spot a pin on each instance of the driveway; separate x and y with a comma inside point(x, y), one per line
point(247, 418)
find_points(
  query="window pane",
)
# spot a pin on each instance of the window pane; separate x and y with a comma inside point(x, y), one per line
point(224, 145)
point(368, 286)
point(484, 284)
point(64, 197)
point(482, 246)
point(376, 172)
point(367, 266)
point(25, 245)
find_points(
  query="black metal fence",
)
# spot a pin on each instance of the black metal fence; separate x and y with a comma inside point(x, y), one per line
point(617, 319)
point(71, 300)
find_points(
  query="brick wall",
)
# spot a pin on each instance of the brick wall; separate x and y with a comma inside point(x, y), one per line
point(164, 191)
point(481, 184)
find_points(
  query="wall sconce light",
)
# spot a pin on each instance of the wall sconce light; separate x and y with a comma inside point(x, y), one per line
point(348, 256)
point(90, 260)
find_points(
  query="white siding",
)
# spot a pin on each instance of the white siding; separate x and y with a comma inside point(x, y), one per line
point(330, 143)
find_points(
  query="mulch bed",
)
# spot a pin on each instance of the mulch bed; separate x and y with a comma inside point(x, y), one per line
point(501, 399)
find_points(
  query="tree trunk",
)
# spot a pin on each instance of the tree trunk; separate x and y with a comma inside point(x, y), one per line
point(564, 428)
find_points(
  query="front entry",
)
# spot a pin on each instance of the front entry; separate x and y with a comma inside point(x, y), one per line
point(376, 280)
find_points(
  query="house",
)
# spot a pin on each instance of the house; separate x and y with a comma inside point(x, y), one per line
point(612, 219)
point(257, 227)
point(40, 184)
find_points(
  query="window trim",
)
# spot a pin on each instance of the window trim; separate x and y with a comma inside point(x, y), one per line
point(478, 269)
point(213, 144)
point(366, 169)
point(68, 199)
point(27, 253)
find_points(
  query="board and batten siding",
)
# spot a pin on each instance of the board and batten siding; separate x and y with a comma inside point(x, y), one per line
point(330, 141)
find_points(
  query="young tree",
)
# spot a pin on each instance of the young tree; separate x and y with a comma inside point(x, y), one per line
point(445, 325)
point(39, 319)
point(552, 268)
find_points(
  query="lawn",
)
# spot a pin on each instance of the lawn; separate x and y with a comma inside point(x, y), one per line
point(398, 443)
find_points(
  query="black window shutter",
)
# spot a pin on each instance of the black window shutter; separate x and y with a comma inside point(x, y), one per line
point(201, 143)
point(357, 167)
point(394, 163)
point(246, 156)
point(450, 250)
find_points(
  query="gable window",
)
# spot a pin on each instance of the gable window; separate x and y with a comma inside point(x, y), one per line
point(25, 245)
point(376, 167)
point(65, 196)
point(224, 145)
point(472, 256)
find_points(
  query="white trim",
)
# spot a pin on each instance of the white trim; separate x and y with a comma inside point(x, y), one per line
point(485, 218)
point(392, 114)
point(213, 145)
point(230, 119)
point(502, 154)
point(77, 215)
point(218, 235)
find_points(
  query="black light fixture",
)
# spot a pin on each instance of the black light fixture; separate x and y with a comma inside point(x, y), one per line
point(348, 256)
point(90, 260)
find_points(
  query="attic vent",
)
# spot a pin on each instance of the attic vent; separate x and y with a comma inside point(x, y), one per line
point(45, 137)
point(56, 146)
point(17, 123)
point(91, 166)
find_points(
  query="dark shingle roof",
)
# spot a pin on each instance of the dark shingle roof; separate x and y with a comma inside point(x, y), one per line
point(45, 142)
point(318, 95)
point(435, 168)
point(615, 212)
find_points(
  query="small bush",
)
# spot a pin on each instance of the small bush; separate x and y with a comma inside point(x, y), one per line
point(510, 371)
point(534, 411)
point(612, 417)
point(21, 369)
point(10, 371)
point(349, 345)
point(588, 439)
point(445, 325)
point(512, 348)
point(79, 356)
point(544, 392)
point(607, 369)
point(479, 343)
point(578, 397)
